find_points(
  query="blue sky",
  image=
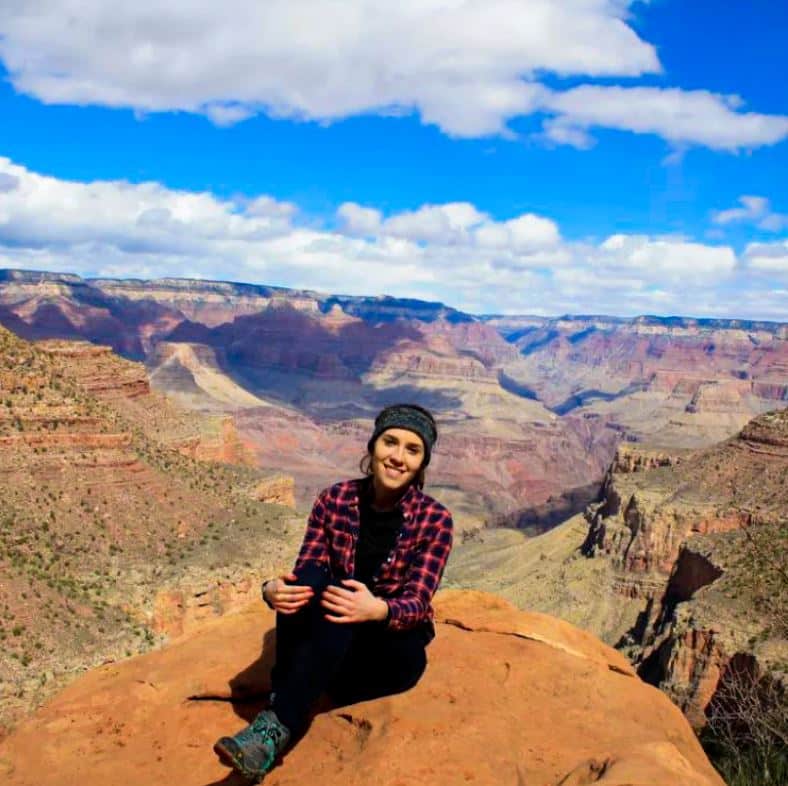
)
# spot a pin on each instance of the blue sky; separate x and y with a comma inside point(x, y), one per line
point(529, 156)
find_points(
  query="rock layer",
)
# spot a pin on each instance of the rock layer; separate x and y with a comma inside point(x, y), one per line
point(678, 563)
point(99, 514)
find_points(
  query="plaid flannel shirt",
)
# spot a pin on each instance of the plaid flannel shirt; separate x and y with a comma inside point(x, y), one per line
point(408, 578)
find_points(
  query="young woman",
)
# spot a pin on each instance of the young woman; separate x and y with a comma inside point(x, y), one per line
point(354, 616)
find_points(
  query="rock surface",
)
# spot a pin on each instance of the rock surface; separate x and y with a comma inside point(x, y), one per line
point(509, 698)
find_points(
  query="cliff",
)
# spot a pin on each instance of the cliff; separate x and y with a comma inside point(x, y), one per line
point(99, 514)
point(549, 705)
point(542, 402)
point(670, 382)
point(678, 563)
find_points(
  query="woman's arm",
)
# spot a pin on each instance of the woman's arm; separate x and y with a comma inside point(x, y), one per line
point(410, 607)
point(283, 594)
point(314, 548)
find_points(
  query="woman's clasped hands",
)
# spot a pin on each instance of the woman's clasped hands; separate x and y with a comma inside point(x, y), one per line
point(352, 602)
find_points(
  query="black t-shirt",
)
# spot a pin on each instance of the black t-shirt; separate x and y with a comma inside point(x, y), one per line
point(377, 536)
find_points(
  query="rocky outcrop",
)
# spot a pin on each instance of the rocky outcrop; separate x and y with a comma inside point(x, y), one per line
point(675, 536)
point(222, 444)
point(99, 370)
point(184, 608)
point(680, 564)
point(597, 722)
point(98, 512)
point(278, 490)
point(637, 458)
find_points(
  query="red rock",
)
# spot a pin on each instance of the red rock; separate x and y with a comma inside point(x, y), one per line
point(509, 698)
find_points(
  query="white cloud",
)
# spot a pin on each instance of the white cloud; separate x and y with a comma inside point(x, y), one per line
point(561, 131)
point(768, 257)
point(665, 258)
point(526, 233)
point(467, 66)
point(453, 252)
point(359, 220)
point(695, 117)
point(267, 206)
point(447, 223)
point(754, 210)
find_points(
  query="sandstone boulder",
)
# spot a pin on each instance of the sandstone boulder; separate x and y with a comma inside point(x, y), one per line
point(510, 697)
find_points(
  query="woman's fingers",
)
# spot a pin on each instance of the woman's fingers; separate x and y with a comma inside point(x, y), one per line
point(332, 618)
point(337, 608)
point(289, 607)
point(294, 592)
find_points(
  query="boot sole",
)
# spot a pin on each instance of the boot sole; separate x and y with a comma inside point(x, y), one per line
point(235, 762)
point(225, 757)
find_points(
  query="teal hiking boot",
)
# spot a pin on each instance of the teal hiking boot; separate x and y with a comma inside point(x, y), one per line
point(253, 751)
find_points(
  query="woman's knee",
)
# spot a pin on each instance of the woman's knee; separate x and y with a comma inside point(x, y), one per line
point(318, 577)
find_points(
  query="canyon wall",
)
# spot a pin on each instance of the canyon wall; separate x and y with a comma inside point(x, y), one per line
point(102, 516)
point(679, 563)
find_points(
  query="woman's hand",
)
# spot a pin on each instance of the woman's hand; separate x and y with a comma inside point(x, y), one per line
point(287, 598)
point(353, 603)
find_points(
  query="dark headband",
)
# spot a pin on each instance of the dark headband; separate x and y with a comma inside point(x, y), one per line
point(410, 417)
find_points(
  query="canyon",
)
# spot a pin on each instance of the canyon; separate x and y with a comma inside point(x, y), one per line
point(113, 535)
point(679, 563)
point(155, 437)
point(531, 409)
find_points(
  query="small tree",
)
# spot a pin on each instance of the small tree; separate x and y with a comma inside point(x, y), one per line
point(747, 731)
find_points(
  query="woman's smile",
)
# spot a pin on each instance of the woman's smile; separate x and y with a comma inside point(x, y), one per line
point(396, 460)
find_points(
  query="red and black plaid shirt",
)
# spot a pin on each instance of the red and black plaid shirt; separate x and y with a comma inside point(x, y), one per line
point(409, 576)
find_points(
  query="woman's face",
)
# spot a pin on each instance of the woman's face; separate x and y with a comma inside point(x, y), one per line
point(397, 456)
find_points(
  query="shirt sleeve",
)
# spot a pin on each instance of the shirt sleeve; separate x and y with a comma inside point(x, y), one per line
point(412, 606)
point(314, 548)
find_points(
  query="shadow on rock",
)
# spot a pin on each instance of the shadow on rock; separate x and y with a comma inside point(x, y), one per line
point(248, 691)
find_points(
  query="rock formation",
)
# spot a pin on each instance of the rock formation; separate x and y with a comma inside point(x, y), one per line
point(671, 382)
point(678, 562)
point(542, 402)
point(100, 514)
point(549, 705)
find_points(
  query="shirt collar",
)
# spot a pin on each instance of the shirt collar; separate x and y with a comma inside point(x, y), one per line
point(406, 501)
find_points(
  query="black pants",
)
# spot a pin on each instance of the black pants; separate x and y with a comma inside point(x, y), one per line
point(351, 662)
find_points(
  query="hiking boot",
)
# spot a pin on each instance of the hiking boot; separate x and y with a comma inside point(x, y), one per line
point(253, 751)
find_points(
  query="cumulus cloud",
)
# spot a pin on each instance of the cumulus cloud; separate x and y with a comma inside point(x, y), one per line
point(754, 210)
point(358, 219)
point(666, 258)
point(447, 224)
point(451, 252)
point(768, 257)
point(695, 117)
point(467, 66)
